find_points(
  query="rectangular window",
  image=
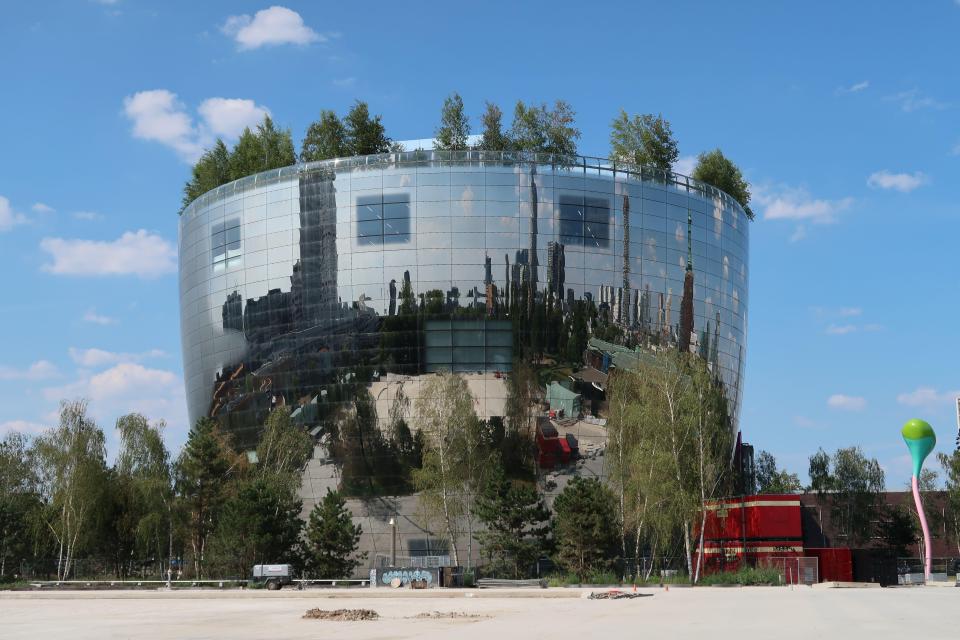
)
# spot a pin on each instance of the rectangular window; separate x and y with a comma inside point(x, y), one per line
point(225, 243)
point(584, 221)
point(380, 223)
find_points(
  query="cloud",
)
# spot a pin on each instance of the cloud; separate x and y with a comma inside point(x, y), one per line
point(789, 203)
point(93, 317)
point(912, 100)
point(846, 403)
point(8, 217)
point(854, 88)
point(805, 423)
point(94, 358)
point(228, 117)
point(269, 27)
point(159, 116)
point(903, 182)
point(841, 329)
point(344, 82)
point(798, 234)
point(39, 207)
point(22, 426)
point(849, 312)
point(39, 370)
point(129, 387)
point(685, 165)
point(138, 253)
point(927, 398)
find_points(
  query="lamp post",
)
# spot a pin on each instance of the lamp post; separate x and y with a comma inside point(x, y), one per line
point(393, 542)
point(920, 439)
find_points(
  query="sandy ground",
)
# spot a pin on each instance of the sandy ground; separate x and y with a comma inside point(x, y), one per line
point(706, 613)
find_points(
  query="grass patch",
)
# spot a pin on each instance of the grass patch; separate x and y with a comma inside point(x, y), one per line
point(747, 576)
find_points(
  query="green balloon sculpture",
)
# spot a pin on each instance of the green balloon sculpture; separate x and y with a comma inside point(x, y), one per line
point(921, 440)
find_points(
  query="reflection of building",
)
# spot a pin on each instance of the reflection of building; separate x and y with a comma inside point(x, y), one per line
point(297, 283)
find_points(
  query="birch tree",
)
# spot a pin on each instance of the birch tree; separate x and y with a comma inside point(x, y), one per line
point(72, 466)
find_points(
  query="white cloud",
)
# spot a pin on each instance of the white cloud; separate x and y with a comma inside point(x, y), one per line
point(269, 27)
point(846, 403)
point(912, 100)
point(854, 88)
point(8, 217)
point(344, 82)
point(88, 216)
point(22, 426)
point(40, 207)
point(903, 182)
point(849, 312)
point(798, 234)
point(927, 398)
point(685, 165)
point(159, 116)
point(789, 203)
point(841, 329)
point(955, 150)
point(94, 358)
point(39, 370)
point(93, 317)
point(228, 117)
point(137, 253)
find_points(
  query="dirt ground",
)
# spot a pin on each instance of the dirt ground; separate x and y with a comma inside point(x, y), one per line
point(714, 613)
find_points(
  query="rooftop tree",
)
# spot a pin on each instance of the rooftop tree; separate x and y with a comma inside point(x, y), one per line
point(364, 134)
point(454, 127)
point(210, 171)
point(716, 169)
point(643, 140)
point(493, 137)
point(544, 130)
point(326, 138)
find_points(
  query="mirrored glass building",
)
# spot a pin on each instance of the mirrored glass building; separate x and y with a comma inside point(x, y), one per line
point(301, 286)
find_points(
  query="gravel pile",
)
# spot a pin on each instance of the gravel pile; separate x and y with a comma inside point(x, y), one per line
point(342, 615)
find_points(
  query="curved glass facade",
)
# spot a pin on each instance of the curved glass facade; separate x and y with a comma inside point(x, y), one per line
point(300, 283)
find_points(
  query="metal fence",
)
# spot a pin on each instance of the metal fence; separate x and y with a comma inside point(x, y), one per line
point(793, 570)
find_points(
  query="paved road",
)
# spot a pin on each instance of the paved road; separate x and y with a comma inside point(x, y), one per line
point(703, 614)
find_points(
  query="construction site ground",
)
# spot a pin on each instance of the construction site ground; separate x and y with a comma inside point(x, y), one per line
point(714, 613)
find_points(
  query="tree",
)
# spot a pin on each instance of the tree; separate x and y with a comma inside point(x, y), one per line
point(326, 138)
point(331, 540)
point(203, 472)
point(452, 457)
point(283, 450)
point(210, 171)
point(364, 134)
point(773, 480)
point(517, 523)
point(853, 485)
point(454, 127)
point(951, 471)
point(493, 138)
point(585, 526)
point(20, 505)
point(716, 169)
point(897, 529)
point(259, 524)
point(543, 130)
point(523, 393)
point(72, 468)
point(643, 140)
point(267, 148)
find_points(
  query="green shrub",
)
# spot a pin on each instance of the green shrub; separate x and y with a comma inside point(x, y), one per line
point(747, 576)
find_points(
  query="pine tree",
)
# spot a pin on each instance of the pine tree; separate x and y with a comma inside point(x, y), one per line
point(717, 170)
point(331, 540)
point(493, 137)
point(210, 171)
point(454, 127)
point(365, 135)
point(585, 526)
point(643, 140)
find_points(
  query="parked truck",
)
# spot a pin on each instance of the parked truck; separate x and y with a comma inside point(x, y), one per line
point(272, 576)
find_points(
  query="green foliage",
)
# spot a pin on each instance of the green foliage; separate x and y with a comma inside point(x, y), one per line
point(716, 169)
point(454, 127)
point(283, 451)
point(852, 484)
point(585, 526)
point(325, 138)
point(364, 134)
point(493, 138)
point(203, 472)
point(951, 470)
point(331, 540)
point(209, 172)
point(773, 480)
point(897, 529)
point(369, 463)
point(643, 140)
point(746, 576)
point(20, 504)
point(258, 524)
point(543, 130)
point(516, 521)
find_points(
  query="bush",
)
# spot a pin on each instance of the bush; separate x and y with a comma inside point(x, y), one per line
point(747, 576)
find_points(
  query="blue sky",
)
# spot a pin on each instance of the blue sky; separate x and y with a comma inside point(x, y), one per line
point(844, 117)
